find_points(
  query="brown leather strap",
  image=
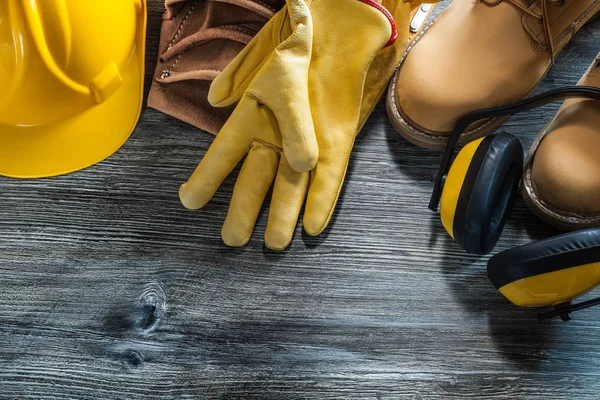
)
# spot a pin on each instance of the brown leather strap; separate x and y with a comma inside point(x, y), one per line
point(173, 7)
point(199, 75)
point(231, 32)
point(261, 8)
point(257, 6)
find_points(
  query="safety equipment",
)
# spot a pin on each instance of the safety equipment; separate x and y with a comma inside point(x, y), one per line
point(551, 272)
point(71, 73)
point(336, 92)
point(476, 190)
point(198, 39)
point(561, 180)
point(479, 54)
point(337, 121)
point(272, 89)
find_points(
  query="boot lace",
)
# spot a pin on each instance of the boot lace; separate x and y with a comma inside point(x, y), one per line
point(543, 17)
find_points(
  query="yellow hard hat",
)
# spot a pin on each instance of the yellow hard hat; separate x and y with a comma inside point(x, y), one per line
point(71, 82)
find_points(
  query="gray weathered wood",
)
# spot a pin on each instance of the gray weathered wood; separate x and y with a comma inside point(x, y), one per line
point(110, 289)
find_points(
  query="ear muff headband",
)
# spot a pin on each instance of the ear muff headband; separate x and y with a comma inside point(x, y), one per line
point(487, 193)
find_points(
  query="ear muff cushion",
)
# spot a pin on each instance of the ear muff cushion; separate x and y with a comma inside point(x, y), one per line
point(561, 252)
point(487, 193)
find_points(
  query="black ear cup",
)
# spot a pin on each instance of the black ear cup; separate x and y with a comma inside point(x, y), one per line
point(486, 193)
point(549, 271)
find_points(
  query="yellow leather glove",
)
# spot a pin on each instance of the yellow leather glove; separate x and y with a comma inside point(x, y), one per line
point(269, 79)
point(335, 146)
point(273, 79)
point(342, 67)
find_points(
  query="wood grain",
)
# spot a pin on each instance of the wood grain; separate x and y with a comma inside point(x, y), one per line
point(111, 290)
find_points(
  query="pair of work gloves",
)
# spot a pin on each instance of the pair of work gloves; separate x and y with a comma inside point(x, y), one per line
point(304, 87)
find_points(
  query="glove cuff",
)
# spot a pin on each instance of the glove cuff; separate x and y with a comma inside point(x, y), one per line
point(390, 18)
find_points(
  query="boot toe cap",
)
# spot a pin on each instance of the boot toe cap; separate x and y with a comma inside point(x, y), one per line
point(566, 172)
point(423, 100)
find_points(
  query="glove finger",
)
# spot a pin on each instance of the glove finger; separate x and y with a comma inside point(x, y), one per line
point(325, 186)
point(282, 86)
point(293, 109)
point(289, 193)
point(253, 183)
point(229, 147)
point(229, 87)
point(298, 136)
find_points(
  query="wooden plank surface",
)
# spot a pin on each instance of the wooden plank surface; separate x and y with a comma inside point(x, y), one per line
point(109, 289)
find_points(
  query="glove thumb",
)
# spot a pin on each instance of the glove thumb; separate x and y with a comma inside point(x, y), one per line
point(229, 86)
point(282, 86)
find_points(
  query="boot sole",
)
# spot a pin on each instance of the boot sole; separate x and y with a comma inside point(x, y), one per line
point(552, 216)
point(549, 214)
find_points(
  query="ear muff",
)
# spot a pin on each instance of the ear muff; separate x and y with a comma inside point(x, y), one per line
point(479, 190)
point(548, 272)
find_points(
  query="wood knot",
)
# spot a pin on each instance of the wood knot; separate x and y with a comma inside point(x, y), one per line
point(133, 358)
point(141, 317)
point(152, 305)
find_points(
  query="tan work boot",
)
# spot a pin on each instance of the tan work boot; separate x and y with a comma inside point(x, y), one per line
point(479, 54)
point(561, 180)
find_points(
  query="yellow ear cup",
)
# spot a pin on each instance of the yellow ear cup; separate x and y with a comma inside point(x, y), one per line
point(479, 190)
point(454, 183)
point(553, 288)
point(548, 272)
